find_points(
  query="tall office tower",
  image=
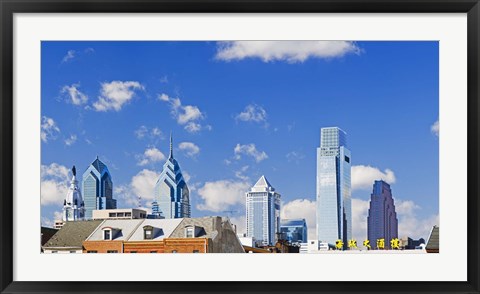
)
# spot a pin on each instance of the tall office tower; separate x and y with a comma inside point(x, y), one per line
point(97, 188)
point(73, 206)
point(263, 213)
point(334, 201)
point(382, 218)
point(171, 191)
point(294, 230)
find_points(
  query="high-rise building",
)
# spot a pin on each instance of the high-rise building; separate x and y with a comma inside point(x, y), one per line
point(334, 201)
point(294, 230)
point(171, 191)
point(73, 205)
point(97, 188)
point(382, 222)
point(263, 213)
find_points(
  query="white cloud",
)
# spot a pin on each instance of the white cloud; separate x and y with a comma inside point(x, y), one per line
point(250, 150)
point(220, 195)
point(143, 131)
point(53, 183)
point(71, 140)
point(302, 208)
point(294, 156)
point(254, 113)
point(359, 219)
point(289, 51)
point(240, 222)
point(49, 129)
point(190, 149)
point(70, 55)
point(241, 173)
point(115, 94)
point(75, 96)
point(150, 155)
point(186, 115)
point(49, 222)
point(435, 128)
point(409, 222)
point(364, 176)
point(141, 185)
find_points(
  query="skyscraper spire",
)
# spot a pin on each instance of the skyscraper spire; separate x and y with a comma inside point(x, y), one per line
point(171, 146)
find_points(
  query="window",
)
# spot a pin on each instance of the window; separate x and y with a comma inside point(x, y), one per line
point(107, 235)
point(120, 214)
point(128, 214)
point(153, 251)
point(91, 251)
point(174, 251)
point(112, 214)
point(112, 251)
point(196, 251)
point(54, 251)
point(73, 251)
point(347, 159)
point(189, 232)
point(148, 232)
point(133, 251)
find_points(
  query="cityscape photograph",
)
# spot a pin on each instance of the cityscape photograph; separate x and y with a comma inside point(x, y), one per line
point(307, 147)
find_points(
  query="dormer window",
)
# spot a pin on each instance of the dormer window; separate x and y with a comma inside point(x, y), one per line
point(190, 232)
point(148, 232)
point(107, 235)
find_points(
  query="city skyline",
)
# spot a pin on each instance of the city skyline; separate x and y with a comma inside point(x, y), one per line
point(236, 119)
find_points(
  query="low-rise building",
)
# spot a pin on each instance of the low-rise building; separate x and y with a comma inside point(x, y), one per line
point(181, 235)
point(70, 237)
point(119, 213)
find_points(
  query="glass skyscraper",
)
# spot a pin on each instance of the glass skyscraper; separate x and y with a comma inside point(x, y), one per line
point(334, 202)
point(263, 213)
point(294, 230)
point(97, 188)
point(382, 219)
point(171, 191)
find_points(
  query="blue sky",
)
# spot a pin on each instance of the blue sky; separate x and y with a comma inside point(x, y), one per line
point(239, 110)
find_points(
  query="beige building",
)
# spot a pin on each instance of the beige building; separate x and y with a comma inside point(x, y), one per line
point(125, 213)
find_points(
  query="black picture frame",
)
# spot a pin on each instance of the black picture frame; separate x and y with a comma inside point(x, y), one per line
point(9, 7)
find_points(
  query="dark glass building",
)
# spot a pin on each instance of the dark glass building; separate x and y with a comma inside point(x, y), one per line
point(382, 218)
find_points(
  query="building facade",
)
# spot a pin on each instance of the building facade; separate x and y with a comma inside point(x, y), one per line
point(119, 213)
point(73, 205)
point(294, 230)
point(263, 213)
point(97, 188)
point(334, 201)
point(172, 195)
point(382, 222)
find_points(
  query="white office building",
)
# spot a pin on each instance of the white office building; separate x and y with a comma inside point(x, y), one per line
point(263, 213)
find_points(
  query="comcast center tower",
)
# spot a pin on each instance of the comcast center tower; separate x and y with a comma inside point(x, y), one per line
point(334, 201)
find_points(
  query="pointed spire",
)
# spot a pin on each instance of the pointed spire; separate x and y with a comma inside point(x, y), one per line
point(171, 146)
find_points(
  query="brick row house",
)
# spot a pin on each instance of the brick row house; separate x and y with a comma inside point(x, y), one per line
point(181, 235)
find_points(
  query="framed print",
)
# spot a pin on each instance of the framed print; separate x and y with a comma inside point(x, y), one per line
point(296, 145)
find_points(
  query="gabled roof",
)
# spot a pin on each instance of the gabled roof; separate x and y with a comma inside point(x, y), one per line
point(162, 228)
point(124, 228)
point(433, 240)
point(72, 234)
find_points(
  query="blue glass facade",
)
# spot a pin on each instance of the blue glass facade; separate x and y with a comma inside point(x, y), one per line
point(97, 188)
point(171, 191)
point(382, 222)
point(294, 230)
point(263, 213)
point(334, 211)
